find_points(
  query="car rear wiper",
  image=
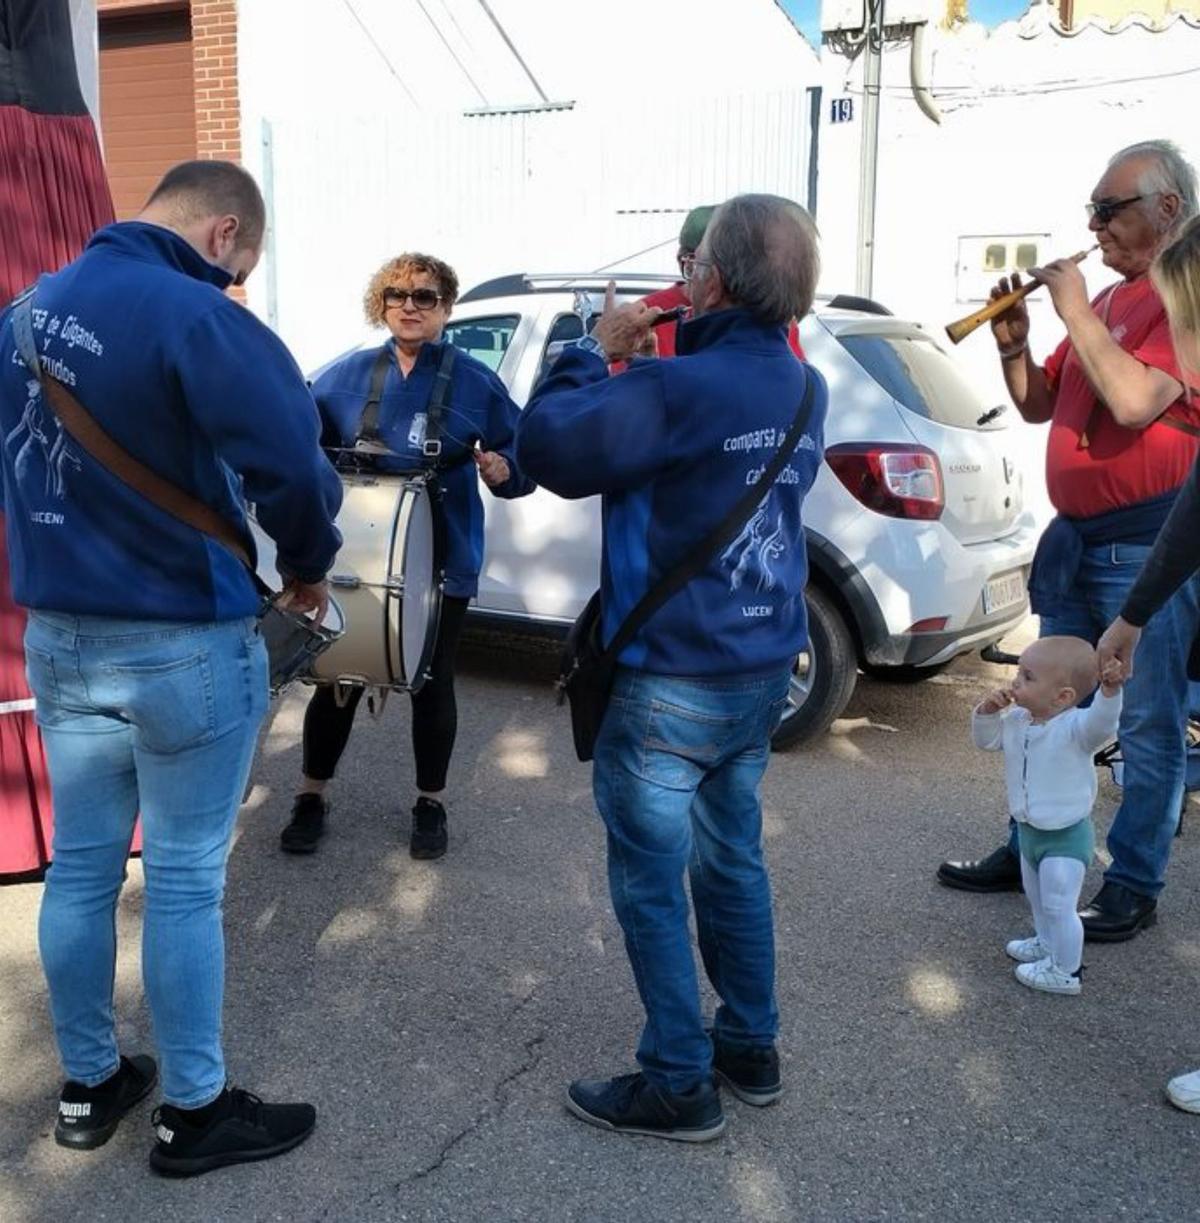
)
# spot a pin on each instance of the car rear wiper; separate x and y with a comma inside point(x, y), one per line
point(991, 414)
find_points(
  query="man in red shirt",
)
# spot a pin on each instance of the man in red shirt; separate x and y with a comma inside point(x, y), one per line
point(690, 236)
point(1123, 436)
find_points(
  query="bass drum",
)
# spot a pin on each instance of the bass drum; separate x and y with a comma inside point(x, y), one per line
point(387, 579)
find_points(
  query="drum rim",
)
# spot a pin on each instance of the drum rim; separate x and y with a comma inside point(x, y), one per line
point(433, 619)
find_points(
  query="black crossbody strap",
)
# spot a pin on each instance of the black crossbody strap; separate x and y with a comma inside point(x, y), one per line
point(368, 422)
point(676, 578)
point(437, 403)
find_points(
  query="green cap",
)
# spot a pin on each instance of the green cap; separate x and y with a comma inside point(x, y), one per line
point(694, 225)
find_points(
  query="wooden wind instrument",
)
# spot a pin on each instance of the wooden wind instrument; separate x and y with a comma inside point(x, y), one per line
point(963, 328)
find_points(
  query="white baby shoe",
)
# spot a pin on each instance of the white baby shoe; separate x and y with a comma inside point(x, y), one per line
point(1044, 976)
point(1027, 950)
point(1184, 1091)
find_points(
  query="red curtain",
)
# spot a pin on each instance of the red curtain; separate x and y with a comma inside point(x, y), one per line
point(53, 197)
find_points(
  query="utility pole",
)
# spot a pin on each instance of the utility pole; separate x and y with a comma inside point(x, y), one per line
point(869, 154)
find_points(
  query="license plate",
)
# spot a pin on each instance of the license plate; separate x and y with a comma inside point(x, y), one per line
point(1004, 591)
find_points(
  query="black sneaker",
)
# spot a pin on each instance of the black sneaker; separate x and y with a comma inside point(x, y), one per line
point(240, 1128)
point(307, 826)
point(751, 1074)
point(428, 830)
point(630, 1104)
point(88, 1116)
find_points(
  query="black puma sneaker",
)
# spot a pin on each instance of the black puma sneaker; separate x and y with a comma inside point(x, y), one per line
point(236, 1128)
point(88, 1116)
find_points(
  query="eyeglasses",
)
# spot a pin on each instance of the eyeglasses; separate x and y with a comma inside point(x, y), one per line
point(1104, 210)
point(690, 263)
point(422, 299)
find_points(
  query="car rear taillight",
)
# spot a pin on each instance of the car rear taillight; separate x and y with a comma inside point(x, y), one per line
point(892, 479)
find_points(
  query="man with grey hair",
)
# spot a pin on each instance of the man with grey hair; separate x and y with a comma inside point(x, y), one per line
point(1123, 437)
point(672, 446)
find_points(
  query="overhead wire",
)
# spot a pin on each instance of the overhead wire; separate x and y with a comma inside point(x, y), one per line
point(453, 54)
point(381, 52)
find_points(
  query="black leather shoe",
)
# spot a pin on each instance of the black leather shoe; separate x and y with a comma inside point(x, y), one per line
point(1000, 871)
point(1117, 914)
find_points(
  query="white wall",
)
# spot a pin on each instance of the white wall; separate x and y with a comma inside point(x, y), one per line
point(675, 104)
point(1030, 118)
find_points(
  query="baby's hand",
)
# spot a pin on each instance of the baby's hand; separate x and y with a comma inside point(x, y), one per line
point(995, 702)
point(1112, 676)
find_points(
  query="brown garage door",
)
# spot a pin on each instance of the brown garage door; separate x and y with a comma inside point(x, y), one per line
point(147, 107)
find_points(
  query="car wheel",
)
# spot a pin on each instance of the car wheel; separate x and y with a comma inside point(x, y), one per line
point(905, 674)
point(823, 678)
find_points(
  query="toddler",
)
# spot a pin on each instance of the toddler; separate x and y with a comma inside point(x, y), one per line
point(1048, 746)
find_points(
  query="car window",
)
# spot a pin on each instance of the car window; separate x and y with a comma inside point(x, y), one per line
point(566, 329)
point(917, 374)
point(486, 339)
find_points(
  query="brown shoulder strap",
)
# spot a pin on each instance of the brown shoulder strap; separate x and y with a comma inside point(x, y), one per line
point(82, 427)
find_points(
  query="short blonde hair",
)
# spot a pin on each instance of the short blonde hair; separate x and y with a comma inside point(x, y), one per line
point(1176, 276)
point(406, 265)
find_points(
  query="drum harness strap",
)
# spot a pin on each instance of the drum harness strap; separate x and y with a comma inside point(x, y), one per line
point(431, 448)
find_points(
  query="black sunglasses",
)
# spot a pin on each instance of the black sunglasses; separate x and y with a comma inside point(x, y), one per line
point(422, 299)
point(1104, 210)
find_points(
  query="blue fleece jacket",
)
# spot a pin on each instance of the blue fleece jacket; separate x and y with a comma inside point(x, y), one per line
point(671, 445)
point(194, 386)
point(478, 409)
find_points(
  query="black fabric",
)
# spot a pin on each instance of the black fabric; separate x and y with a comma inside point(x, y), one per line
point(437, 403)
point(1174, 557)
point(37, 58)
point(368, 423)
point(327, 724)
point(587, 665)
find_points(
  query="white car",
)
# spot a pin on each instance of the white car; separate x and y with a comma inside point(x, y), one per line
point(918, 542)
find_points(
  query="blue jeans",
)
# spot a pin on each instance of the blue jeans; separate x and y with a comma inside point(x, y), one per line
point(678, 764)
point(161, 718)
point(1152, 731)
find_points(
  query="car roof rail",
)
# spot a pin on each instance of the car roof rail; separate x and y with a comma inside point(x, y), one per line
point(849, 301)
point(520, 283)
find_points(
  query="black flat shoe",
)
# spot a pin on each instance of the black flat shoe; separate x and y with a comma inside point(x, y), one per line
point(1117, 914)
point(1000, 871)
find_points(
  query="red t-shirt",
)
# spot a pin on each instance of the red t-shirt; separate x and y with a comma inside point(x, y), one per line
point(1117, 466)
point(668, 299)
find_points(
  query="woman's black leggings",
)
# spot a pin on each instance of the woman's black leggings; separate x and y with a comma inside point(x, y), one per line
point(434, 713)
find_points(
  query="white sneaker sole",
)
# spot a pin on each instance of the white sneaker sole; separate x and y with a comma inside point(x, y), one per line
point(1075, 986)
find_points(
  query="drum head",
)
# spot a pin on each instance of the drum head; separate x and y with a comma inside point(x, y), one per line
point(418, 553)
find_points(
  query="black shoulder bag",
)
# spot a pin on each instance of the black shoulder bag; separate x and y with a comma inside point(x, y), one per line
point(587, 667)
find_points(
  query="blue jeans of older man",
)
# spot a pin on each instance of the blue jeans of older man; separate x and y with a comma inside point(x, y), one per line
point(1154, 712)
point(678, 764)
point(160, 718)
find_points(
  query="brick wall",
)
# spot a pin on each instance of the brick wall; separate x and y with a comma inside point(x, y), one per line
point(214, 51)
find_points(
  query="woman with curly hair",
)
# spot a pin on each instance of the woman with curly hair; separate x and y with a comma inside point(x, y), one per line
point(412, 296)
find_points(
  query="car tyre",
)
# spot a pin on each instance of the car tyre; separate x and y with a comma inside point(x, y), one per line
point(822, 690)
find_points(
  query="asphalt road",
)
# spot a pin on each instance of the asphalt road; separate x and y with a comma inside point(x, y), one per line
point(436, 1011)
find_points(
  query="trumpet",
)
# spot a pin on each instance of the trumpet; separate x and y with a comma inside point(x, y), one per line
point(963, 328)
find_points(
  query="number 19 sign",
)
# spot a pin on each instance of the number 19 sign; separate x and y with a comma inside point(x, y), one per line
point(841, 110)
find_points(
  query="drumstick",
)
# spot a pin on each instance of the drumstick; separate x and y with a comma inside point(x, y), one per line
point(964, 326)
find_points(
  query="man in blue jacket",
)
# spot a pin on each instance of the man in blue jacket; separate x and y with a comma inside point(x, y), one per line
point(671, 445)
point(142, 648)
